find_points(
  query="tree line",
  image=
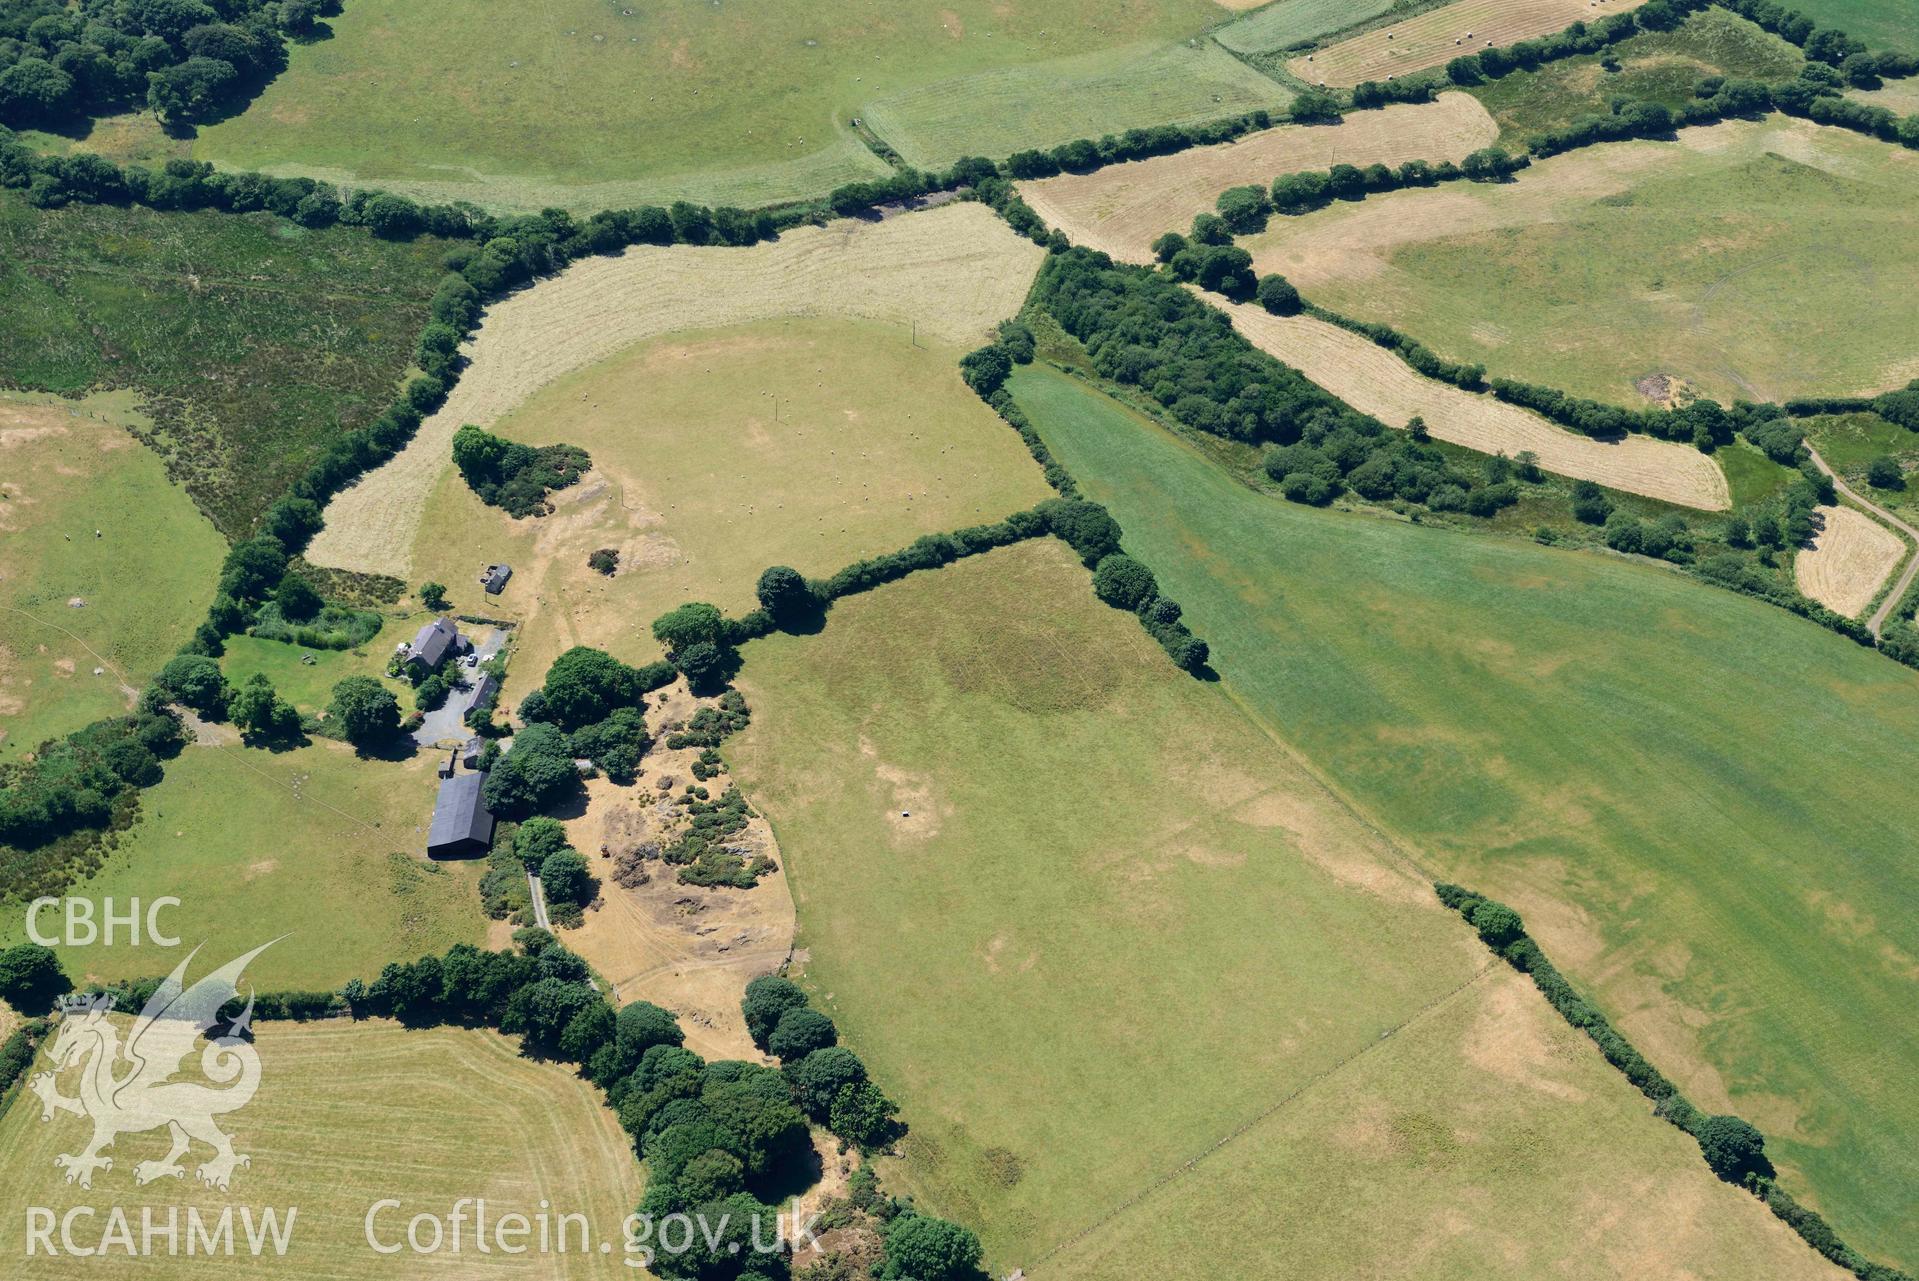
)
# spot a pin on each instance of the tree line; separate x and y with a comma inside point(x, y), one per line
point(1733, 1148)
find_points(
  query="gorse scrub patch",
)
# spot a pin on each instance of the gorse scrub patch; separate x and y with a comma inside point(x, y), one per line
point(507, 474)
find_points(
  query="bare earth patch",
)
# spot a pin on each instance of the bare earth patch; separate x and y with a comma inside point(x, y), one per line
point(952, 271)
point(1123, 208)
point(686, 948)
point(1440, 35)
point(1848, 560)
point(1375, 381)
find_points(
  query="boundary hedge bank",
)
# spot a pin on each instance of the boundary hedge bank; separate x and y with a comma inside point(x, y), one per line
point(1734, 1149)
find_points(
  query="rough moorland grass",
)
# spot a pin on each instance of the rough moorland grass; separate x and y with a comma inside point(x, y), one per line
point(1657, 773)
point(1883, 24)
point(87, 515)
point(349, 1114)
point(250, 340)
point(312, 843)
point(587, 103)
point(1086, 920)
point(1720, 261)
point(1850, 442)
point(1654, 66)
point(997, 112)
point(808, 442)
point(1290, 22)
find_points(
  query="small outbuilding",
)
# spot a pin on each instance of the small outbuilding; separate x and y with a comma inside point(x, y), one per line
point(471, 751)
point(462, 824)
point(494, 579)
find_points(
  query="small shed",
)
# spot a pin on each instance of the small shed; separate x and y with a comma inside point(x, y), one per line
point(494, 579)
point(471, 751)
point(462, 824)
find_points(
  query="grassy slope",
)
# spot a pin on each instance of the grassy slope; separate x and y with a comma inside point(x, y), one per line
point(250, 340)
point(1277, 26)
point(700, 487)
point(311, 843)
point(1700, 802)
point(349, 1114)
point(1486, 1139)
point(709, 102)
point(1721, 269)
point(1849, 443)
point(1882, 24)
point(1094, 838)
point(1656, 66)
point(146, 579)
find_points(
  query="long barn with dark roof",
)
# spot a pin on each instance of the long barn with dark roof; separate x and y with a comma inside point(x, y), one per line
point(462, 824)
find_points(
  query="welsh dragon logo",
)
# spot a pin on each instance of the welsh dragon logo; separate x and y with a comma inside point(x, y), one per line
point(127, 1089)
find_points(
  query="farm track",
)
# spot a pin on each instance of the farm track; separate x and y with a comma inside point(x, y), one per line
point(952, 271)
point(1122, 208)
point(1376, 381)
point(1437, 36)
point(1899, 588)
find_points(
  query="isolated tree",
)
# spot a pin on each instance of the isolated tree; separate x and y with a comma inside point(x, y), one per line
point(538, 837)
point(564, 878)
point(1884, 473)
point(690, 624)
point(1087, 528)
point(364, 711)
point(605, 560)
point(799, 1033)
point(1277, 295)
point(923, 1248)
point(783, 593)
point(1498, 924)
point(584, 684)
point(1244, 209)
point(296, 598)
point(257, 709)
point(195, 681)
point(818, 1078)
point(433, 596)
point(1732, 1147)
point(1315, 107)
point(537, 772)
point(641, 1025)
point(767, 998)
point(704, 665)
point(1123, 582)
point(31, 977)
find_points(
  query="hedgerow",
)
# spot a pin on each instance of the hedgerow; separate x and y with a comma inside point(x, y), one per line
point(1734, 1149)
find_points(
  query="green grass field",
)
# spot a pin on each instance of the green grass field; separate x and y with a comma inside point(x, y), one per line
point(1719, 261)
point(347, 1115)
point(309, 686)
point(1120, 924)
point(312, 843)
point(1883, 24)
point(142, 583)
point(249, 340)
point(1658, 773)
point(1289, 22)
point(595, 103)
point(1655, 66)
point(998, 112)
point(703, 480)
